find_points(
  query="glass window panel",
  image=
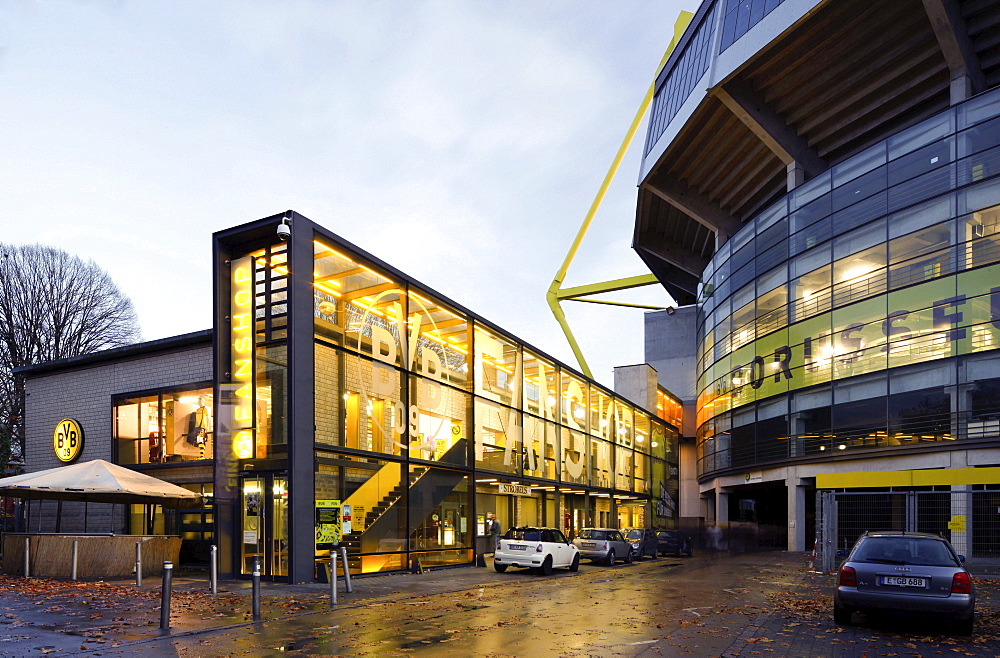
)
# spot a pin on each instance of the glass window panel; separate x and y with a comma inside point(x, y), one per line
point(921, 161)
point(810, 294)
point(811, 190)
point(574, 401)
point(497, 366)
point(438, 422)
point(641, 431)
point(982, 195)
point(541, 386)
point(624, 425)
point(602, 413)
point(438, 339)
point(860, 275)
point(376, 491)
point(138, 431)
point(927, 214)
point(271, 393)
point(356, 306)
point(860, 188)
point(641, 474)
point(873, 234)
point(981, 234)
point(541, 448)
point(983, 106)
point(859, 164)
point(498, 437)
point(601, 472)
point(441, 522)
point(368, 413)
point(984, 136)
point(574, 456)
point(772, 279)
point(923, 133)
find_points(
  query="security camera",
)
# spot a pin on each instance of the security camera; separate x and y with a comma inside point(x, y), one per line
point(284, 230)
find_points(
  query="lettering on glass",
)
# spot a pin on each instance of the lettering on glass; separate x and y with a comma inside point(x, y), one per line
point(241, 355)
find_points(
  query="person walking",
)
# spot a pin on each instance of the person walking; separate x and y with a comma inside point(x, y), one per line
point(494, 531)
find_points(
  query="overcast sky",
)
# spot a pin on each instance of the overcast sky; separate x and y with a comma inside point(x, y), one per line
point(462, 142)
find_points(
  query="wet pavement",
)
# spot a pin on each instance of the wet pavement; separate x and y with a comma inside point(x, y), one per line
point(735, 605)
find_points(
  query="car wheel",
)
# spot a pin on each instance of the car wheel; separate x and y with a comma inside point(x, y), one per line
point(629, 557)
point(500, 567)
point(842, 615)
point(610, 560)
point(575, 566)
point(964, 626)
point(547, 566)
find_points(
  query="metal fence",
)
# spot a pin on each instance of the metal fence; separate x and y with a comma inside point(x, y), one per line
point(970, 520)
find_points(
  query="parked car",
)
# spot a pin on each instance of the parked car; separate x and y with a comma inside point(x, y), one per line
point(540, 549)
point(905, 573)
point(673, 542)
point(604, 545)
point(643, 541)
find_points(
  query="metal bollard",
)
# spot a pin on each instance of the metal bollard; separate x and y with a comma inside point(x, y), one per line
point(168, 577)
point(255, 577)
point(213, 569)
point(333, 577)
point(27, 557)
point(347, 571)
point(138, 564)
point(76, 551)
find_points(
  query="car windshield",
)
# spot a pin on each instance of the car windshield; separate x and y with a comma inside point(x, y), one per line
point(587, 533)
point(904, 550)
point(524, 534)
point(635, 534)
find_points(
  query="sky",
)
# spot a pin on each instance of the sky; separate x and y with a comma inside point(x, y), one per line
point(463, 142)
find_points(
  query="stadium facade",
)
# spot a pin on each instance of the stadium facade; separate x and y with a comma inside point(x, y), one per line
point(820, 194)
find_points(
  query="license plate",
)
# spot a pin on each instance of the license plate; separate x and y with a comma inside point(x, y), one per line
point(587, 544)
point(516, 547)
point(904, 581)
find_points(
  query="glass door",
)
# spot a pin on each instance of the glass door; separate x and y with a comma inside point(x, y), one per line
point(264, 524)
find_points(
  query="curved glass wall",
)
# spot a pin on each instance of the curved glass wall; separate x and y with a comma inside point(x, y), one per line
point(852, 313)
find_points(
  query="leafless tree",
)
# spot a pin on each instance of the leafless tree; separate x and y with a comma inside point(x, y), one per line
point(52, 306)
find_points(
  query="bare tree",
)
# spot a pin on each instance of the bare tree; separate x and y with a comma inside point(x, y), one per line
point(52, 306)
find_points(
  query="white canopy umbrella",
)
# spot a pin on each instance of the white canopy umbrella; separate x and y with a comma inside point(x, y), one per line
point(98, 481)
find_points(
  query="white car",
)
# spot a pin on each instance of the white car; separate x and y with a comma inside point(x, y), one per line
point(541, 549)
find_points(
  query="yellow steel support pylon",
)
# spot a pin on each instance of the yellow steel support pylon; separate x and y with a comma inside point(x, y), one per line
point(556, 292)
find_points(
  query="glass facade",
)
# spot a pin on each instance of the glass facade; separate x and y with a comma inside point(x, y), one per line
point(852, 313)
point(424, 419)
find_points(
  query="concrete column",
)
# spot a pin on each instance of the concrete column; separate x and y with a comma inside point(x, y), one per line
point(721, 506)
point(796, 175)
point(796, 514)
point(960, 88)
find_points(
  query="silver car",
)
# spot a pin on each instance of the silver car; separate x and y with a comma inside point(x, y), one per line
point(905, 573)
point(605, 545)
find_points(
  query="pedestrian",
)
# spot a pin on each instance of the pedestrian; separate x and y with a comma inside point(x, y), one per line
point(494, 531)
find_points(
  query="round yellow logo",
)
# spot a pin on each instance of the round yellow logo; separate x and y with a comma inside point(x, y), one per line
point(67, 440)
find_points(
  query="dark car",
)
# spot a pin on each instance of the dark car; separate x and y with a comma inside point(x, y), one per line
point(673, 542)
point(643, 541)
point(905, 573)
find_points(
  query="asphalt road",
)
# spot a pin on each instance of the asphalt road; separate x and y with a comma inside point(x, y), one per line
point(739, 605)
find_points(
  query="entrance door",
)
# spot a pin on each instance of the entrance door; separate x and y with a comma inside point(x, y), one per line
point(264, 524)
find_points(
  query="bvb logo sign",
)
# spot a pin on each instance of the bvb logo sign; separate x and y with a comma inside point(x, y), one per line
point(67, 440)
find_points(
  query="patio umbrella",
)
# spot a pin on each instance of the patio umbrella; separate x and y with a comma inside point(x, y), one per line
point(98, 481)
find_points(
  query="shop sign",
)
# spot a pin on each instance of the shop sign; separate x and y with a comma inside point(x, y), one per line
point(67, 440)
point(241, 354)
point(514, 489)
point(751, 478)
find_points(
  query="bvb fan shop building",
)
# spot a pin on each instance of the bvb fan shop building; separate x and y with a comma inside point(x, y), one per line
point(341, 400)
